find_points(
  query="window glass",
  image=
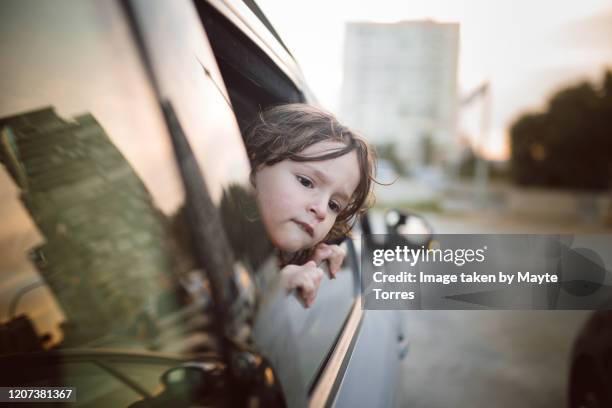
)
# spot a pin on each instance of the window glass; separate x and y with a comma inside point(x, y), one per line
point(188, 77)
point(93, 242)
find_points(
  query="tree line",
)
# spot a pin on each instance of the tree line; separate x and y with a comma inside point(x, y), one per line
point(569, 145)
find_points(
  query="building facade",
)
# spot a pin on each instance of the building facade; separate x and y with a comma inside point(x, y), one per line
point(400, 87)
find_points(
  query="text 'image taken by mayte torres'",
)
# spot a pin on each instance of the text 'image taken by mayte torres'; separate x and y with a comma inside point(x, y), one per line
point(485, 271)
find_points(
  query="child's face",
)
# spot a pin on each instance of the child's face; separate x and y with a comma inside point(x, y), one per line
point(299, 201)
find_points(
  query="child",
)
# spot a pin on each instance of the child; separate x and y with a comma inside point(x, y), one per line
point(312, 177)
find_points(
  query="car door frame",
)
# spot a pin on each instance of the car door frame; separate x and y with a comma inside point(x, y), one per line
point(327, 380)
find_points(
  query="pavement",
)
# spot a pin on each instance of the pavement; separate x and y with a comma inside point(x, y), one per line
point(492, 359)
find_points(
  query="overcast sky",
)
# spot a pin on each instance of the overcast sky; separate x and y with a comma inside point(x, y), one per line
point(526, 48)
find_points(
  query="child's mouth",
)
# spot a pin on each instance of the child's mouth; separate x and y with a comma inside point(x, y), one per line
point(305, 227)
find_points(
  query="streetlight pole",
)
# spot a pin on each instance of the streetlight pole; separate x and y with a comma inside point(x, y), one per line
point(481, 169)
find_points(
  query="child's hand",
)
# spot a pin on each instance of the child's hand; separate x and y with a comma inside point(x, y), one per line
point(306, 278)
point(333, 254)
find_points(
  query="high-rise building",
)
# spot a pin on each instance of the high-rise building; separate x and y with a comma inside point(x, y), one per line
point(400, 87)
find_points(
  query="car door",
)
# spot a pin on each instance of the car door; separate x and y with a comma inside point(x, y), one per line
point(299, 342)
point(125, 89)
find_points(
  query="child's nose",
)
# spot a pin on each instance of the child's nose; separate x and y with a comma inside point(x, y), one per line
point(319, 209)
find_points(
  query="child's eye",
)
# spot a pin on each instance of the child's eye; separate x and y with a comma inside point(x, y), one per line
point(305, 182)
point(335, 207)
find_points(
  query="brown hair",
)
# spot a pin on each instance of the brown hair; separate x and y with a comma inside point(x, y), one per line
point(283, 132)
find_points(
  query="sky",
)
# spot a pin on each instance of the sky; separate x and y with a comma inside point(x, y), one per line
point(526, 49)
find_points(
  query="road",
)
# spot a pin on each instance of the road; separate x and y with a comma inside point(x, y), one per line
point(492, 359)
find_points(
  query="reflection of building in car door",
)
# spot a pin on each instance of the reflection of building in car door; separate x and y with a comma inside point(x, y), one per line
point(104, 252)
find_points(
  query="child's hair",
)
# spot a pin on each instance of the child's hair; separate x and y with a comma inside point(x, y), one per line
point(283, 132)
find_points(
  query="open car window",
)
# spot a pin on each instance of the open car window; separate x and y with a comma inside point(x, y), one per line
point(298, 341)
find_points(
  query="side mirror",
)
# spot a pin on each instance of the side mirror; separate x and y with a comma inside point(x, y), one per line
point(407, 228)
point(248, 381)
point(194, 381)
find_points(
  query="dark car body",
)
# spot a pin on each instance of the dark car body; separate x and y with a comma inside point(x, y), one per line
point(128, 220)
point(590, 382)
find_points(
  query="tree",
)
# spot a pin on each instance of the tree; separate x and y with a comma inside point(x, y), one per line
point(388, 151)
point(570, 144)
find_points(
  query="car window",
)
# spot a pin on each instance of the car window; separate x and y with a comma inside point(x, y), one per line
point(94, 245)
point(188, 79)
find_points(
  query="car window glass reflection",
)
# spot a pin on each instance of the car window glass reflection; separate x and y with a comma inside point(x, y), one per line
point(96, 249)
